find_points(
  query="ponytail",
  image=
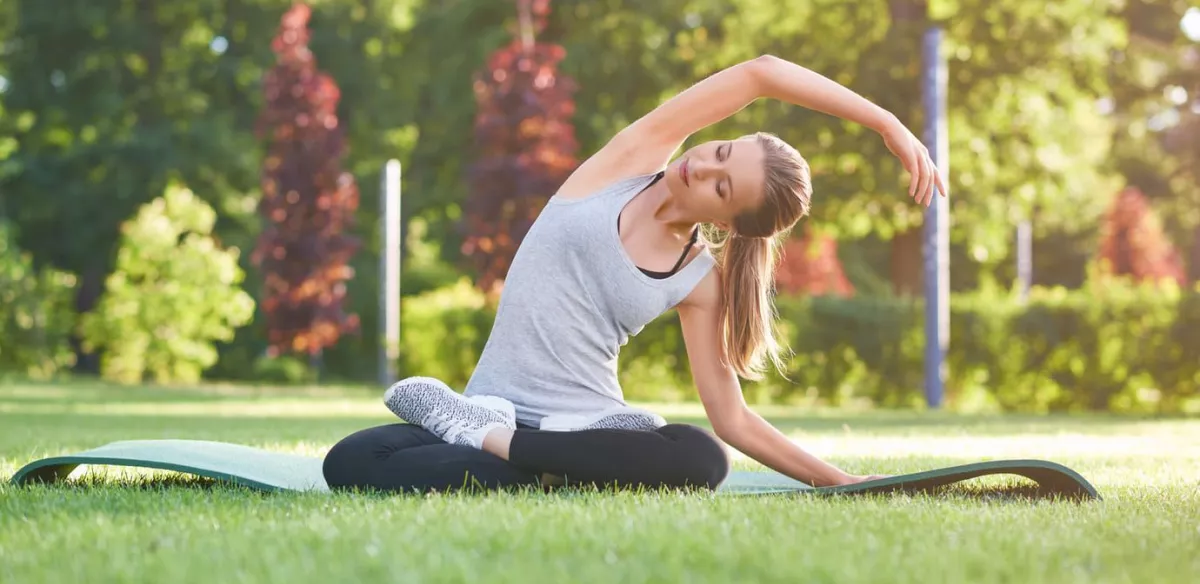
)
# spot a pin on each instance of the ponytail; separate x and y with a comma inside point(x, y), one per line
point(748, 314)
point(748, 259)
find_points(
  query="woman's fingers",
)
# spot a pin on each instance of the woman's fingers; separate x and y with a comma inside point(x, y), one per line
point(924, 178)
point(930, 181)
point(913, 165)
point(923, 183)
point(937, 176)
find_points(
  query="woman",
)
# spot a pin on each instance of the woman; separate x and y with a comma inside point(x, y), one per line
point(617, 246)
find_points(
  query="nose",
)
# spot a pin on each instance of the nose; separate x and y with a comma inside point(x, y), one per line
point(702, 169)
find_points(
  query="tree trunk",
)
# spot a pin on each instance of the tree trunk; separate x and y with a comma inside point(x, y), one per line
point(908, 10)
point(906, 266)
point(91, 287)
point(1194, 260)
point(906, 263)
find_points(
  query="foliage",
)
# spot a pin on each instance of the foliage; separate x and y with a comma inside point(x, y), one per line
point(1114, 345)
point(1155, 108)
point(1110, 346)
point(526, 146)
point(106, 101)
point(444, 331)
point(433, 91)
point(365, 47)
point(1134, 244)
point(173, 294)
point(38, 316)
point(810, 265)
point(308, 202)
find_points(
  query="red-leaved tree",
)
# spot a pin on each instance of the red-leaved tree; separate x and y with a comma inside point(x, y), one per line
point(308, 202)
point(525, 145)
point(809, 266)
point(1133, 243)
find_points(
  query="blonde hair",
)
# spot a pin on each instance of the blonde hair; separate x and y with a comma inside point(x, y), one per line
point(748, 257)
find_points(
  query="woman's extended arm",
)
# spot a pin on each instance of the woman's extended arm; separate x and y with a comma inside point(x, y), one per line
point(720, 392)
point(728, 91)
point(649, 142)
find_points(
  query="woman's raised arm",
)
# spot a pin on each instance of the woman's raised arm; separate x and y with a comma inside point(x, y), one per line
point(647, 144)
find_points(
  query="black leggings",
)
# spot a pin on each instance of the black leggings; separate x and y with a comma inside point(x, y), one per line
point(405, 457)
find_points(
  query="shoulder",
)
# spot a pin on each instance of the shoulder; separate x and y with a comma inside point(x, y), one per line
point(626, 155)
point(706, 296)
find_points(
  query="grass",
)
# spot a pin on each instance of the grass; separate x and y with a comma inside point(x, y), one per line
point(109, 526)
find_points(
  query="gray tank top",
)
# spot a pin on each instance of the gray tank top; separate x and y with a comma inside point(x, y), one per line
point(571, 300)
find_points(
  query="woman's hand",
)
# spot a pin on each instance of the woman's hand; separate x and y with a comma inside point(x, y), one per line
point(924, 175)
point(855, 479)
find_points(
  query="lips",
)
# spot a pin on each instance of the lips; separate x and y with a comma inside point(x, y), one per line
point(683, 172)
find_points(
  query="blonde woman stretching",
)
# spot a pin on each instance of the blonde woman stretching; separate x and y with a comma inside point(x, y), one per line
point(616, 247)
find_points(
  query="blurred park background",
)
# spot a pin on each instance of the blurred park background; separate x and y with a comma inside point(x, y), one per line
point(190, 190)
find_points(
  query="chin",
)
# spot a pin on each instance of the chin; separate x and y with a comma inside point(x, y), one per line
point(671, 177)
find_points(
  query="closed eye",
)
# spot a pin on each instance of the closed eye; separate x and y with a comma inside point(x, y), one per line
point(722, 155)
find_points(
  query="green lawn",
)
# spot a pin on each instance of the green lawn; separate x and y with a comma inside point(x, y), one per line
point(1147, 528)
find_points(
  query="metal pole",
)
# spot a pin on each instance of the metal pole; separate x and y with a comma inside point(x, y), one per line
point(937, 222)
point(1024, 258)
point(389, 273)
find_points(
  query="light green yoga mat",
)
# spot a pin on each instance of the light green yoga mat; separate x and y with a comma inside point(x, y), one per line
point(272, 471)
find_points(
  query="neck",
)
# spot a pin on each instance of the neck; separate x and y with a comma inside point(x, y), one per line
point(666, 210)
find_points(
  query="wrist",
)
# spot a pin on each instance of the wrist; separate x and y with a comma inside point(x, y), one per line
point(835, 477)
point(884, 121)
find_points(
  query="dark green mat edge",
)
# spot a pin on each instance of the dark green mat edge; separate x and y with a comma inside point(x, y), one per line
point(1052, 475)
point(56, 468)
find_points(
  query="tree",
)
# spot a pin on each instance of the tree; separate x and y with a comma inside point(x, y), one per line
point(1156, 102)
point(1134, 244)
point(526, 145)
point(175, 292)
point(308, 202)
point(108, 101)
point(809, 265)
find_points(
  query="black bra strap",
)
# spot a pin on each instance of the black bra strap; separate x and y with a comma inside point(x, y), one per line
point(683, 256)
point(695, 234)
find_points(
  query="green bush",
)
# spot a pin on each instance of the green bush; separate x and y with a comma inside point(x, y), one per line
point(1109, 346)
point(38, 314)
point(172, 294)
point(1112, 345)
point(443, 332)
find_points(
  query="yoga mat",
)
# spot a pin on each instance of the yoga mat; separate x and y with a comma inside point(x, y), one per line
point(273, 471)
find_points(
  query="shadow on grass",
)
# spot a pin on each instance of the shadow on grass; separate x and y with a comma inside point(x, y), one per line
point(1017, 493)
point(90, 482)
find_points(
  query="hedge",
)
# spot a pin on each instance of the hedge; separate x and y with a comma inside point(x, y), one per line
point(1111, 346)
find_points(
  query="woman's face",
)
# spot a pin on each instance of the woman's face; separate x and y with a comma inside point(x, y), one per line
point(717, 181)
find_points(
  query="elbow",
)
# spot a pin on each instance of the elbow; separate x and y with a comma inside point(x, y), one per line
point(731, 427)
point(765, 59)
point(761, 69)
point(765, 64)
